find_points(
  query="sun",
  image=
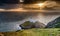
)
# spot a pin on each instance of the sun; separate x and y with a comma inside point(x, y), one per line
point(41, 4)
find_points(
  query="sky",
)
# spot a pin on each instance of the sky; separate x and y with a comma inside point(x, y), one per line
point(47, 5)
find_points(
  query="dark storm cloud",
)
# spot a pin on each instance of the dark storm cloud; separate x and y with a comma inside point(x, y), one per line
point(14, 16)
point(9, 1)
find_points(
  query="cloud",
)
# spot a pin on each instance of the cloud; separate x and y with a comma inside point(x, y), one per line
point(51, 5)
point(48, 5)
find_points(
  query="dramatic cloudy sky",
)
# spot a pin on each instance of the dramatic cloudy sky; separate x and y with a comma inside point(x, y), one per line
point(47, 5)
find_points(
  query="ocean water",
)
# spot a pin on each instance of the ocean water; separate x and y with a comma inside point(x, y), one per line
point(10, 21)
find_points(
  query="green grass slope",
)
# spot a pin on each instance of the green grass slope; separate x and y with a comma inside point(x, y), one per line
point(35, 32)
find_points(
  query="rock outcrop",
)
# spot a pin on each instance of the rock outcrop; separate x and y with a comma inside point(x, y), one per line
point(54, 24)
point(29, 25)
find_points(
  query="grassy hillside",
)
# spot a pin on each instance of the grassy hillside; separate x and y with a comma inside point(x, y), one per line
point(34, 32)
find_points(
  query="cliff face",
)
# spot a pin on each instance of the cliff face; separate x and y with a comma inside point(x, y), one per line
point(54, 24)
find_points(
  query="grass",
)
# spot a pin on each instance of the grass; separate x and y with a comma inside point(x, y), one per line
point(35, 32)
